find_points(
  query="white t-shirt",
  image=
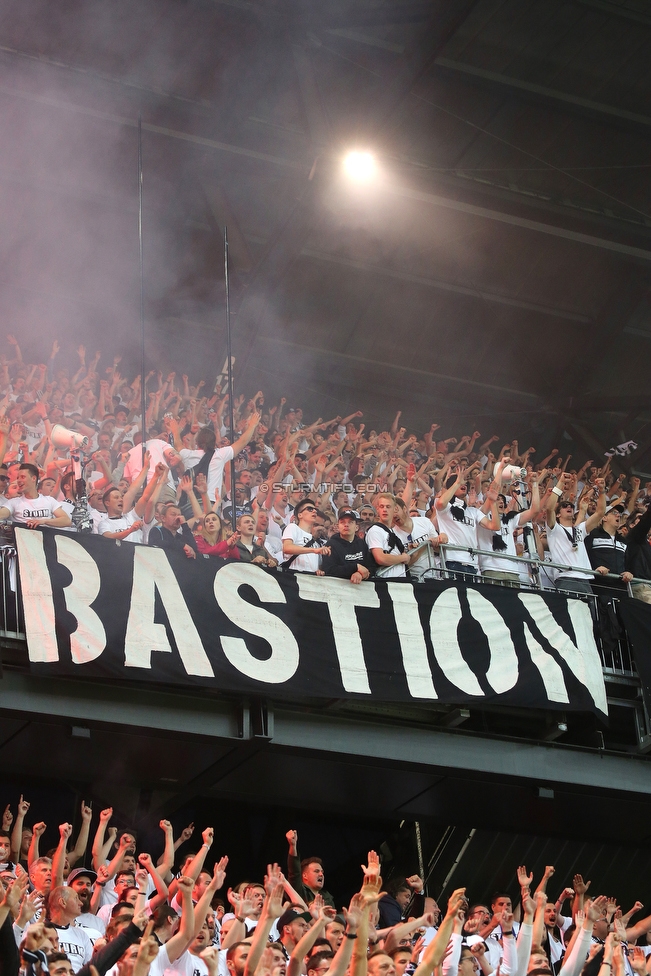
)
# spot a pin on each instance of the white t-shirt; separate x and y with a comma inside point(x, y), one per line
point(157, 449)
point(559, 540)
point(305, 563)
point(97, 517)
point(275, 529)
point(22, 509)
point(94, 926)
point(378, 538)
point(75, 942)
point(461, 533)
point(186, 965)
point(119, 524)
point(274, 547)
point(421, 530)
point(68, 508)
point(494, 563)
point(216, 467)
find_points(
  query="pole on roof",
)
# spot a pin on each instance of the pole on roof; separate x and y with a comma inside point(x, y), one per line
point(143, 395)
point(229, 357)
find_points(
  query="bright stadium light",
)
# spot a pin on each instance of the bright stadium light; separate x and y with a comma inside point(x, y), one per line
point(360, 166)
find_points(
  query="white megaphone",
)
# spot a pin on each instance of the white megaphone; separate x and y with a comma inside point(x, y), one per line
point(509, 472)
point(63, 438)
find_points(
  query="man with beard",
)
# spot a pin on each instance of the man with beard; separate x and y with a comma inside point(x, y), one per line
point(81, 880)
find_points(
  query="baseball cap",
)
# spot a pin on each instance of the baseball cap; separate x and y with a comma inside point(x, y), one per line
point(347, 513)
point(290, 916)
point(78, 872)
point(615, 508)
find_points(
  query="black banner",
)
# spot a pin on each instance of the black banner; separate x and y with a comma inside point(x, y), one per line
point(104, 609)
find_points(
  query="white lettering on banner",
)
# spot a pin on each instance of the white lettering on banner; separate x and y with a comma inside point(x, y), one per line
point(550, 672)
point(503, 672)
point(412, 641)
point(342, 598)
point(583, 659)
point(152, 571)
point(89, 639)
point(443, 624)
point(282, 664)
point(36, 587)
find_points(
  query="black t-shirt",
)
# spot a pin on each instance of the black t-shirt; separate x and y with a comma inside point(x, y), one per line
point(345, 556)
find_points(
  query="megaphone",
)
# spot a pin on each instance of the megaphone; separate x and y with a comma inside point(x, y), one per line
point(64, 438)
point(509, 472)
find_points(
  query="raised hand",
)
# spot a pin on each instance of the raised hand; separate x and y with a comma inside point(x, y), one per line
point(457, 900)
point(142, 877)
point(86, 812)
point(637, 960)
point(105, 815)
point(149, 947)
point(187, 833)
point(35, 937)
point(210, 956)
point(65, 830)
point(39, 828)
point(219, 873)
point(23, 806)
point(273, 877)
point(415, 883)
point(506, 921)
point(185, 884)
point(372, 870)
point(140, 920)
point(595, 909)
point(7, 818)
point(31, 904)
point(524, 880)
point(353, 914)
point(580, 886)
point(146, 861)
point(208, 836)
point(316, 907)
point(102, 874)
point(275, 901)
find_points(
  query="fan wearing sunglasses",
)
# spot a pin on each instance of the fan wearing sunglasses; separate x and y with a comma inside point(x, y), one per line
point(301, 552)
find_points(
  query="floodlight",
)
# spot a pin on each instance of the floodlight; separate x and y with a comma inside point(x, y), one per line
point(360, 166)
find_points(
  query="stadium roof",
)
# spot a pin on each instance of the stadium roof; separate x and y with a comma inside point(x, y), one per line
point(495, 273)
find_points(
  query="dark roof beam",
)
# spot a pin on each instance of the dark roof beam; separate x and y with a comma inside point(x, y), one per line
point(550, 96)
point(486, 296)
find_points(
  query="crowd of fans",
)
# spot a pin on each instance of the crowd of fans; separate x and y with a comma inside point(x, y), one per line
point(327, 497)
point(129, 916)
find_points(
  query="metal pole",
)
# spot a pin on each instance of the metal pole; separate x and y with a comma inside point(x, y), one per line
point(143, 395)
point(456, 863)
point(419, 846)
point(230, 375)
